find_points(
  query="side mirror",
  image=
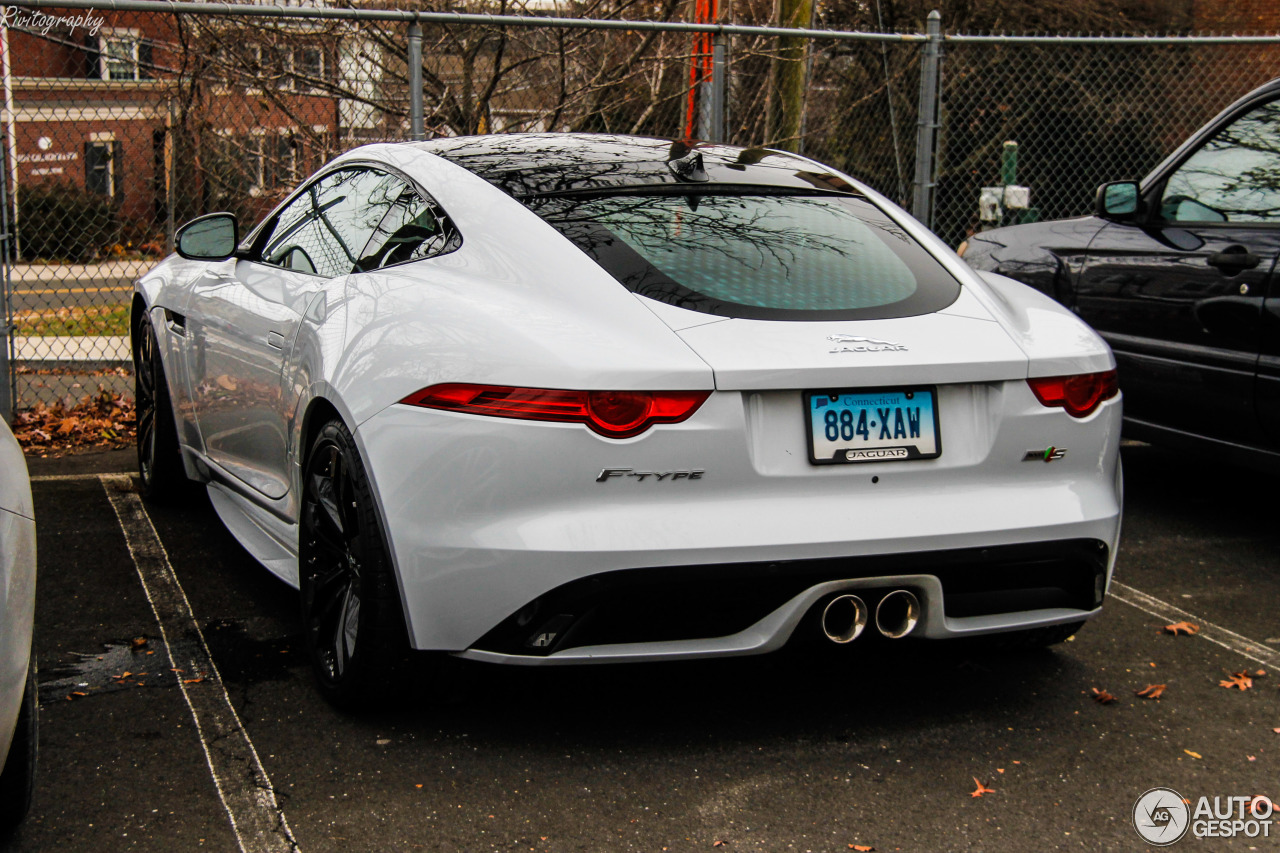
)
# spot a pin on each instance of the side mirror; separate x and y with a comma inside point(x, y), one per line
point(212, 237)
point(1118, 201)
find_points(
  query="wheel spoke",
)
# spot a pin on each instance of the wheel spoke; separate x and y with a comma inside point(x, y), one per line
point(344, 636)
point(147, 432)
point(145, 368)
point(322, 486)
point(321, 533)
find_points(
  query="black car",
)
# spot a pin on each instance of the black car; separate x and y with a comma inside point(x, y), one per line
point(1175, 272)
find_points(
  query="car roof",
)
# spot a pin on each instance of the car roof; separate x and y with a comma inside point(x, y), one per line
point(534, 164)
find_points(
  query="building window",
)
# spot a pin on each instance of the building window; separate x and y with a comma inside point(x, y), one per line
point(102, 168)
point(309, 64)
point(123, 55)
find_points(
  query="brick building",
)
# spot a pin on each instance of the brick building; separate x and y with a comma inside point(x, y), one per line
point(156, 119)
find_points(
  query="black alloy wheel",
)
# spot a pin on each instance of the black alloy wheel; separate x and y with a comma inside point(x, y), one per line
point(352, 619)
point(159, 458)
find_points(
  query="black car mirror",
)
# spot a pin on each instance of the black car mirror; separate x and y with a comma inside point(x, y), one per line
point(212, 237)
point(1118, 200)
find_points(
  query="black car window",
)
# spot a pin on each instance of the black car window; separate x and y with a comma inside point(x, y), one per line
point(762, 256)
point(324, 229)
point(413, 228)
point(1234, 177)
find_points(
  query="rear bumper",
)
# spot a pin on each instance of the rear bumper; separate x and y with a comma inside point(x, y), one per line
point(720, 611)
point(487, 516)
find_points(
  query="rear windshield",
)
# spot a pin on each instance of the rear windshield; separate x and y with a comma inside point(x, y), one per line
point(763, 256)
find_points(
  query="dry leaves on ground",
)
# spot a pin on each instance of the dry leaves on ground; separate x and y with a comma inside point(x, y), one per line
point(1238, 680)
point(1181, 628)
point(981, 789)
point(1151, 691)
point(1102, 697)
point(103, 421)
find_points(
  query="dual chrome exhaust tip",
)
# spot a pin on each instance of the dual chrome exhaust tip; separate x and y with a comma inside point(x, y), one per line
point(845, 616)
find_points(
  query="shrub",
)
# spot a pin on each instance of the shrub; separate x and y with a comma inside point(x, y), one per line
point(60, 221)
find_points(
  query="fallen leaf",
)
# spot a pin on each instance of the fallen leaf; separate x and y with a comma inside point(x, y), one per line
point(1151, 691)
point(1182, 627)
point(192, 680)
point(981, 789)
point(1193, 754)
point(718, 844)
point(1238, 680)
point(861, 848)
point(226, 383)
point(1277, 731)
point(999, 769)
point(138, 642)
point(1102, 697)
point(1252, 757)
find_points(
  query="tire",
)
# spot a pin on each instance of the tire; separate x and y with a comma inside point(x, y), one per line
point(18, 778)
point(352, 619)
point(160, 468)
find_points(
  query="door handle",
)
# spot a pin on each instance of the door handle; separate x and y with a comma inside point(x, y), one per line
point(175, 322)
point(1233, 260)
point(275, 340)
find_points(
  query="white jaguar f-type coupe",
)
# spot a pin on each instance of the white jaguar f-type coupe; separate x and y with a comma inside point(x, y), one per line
point(566, 399)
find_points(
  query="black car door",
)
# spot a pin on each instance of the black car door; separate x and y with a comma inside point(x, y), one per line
point(1179, 294)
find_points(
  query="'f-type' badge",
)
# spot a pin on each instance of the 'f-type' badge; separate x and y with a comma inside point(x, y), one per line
point(857, 343)
point(1049, 454)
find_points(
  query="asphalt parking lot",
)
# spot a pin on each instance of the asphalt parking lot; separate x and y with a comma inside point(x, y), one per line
point(805, 750)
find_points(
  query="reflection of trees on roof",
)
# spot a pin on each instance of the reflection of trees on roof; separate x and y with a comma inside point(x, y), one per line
point(536, 164)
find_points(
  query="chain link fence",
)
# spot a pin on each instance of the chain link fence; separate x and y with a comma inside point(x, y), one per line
point(120, 125)
point(1082, 114)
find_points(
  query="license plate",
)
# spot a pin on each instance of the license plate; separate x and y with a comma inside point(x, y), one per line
point(872, 426)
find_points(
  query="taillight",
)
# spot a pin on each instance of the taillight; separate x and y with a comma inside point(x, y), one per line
point(1080, 395)
point(614, 414)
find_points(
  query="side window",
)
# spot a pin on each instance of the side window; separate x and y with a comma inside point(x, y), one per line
point(323, 230)
point(414, 228)
point(1234, 177)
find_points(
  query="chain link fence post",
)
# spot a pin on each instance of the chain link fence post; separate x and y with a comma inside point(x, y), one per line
point(719, 88)
point(6, 313)
point(927, 130)
point(416, 130)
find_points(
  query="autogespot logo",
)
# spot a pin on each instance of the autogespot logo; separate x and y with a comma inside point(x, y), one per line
point(1161, 817)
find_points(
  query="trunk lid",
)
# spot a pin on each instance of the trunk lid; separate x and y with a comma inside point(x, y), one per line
point(961, 344)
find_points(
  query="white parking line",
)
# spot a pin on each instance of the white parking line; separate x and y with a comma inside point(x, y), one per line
point(246, 793)
point(1229, 640)
point(69, 478)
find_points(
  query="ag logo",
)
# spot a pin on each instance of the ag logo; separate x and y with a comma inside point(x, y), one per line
point(1161, 817)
